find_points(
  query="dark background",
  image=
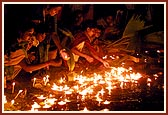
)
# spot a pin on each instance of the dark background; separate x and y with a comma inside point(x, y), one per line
point(15, 15)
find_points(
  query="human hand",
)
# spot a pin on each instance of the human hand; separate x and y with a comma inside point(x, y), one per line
point(31, 56)
point(106, 64)
point(55, 63)
point(64, 54)
point(89, 59)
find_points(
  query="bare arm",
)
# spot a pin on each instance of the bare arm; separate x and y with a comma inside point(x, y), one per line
point(29, 68)
point(96, 56)
point(77, 52)
point(57, 42)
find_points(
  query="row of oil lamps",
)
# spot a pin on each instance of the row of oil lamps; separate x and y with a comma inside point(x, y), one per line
point(96, 89)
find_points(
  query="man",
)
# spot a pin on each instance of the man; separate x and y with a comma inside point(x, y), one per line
point(81, 47)
point(49, 19)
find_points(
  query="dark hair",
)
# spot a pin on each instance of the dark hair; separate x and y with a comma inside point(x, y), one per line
point(90, 24)
point(26, 26)
point(77, 12)
point(100, 27)
point(50, 6)
point(40, 28)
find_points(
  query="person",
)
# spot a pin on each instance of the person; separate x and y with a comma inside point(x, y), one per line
point(48, 15)
point(111, 31)
point(40, 35)
point(81, 46)
point(18, 57)
point(96, 40)
point(77, 22)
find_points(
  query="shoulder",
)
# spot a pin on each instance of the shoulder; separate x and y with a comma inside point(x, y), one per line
point(79, 38)
point(80, 35)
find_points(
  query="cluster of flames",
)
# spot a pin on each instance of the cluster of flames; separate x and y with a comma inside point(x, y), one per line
point(97, 88)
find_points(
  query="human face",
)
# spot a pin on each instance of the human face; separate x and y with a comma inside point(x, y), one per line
point(28, 37)
point(79, 18)
point(55, 10)
point(97, 33)
point(41, 37)
point(110, 20)
point(28, 34)
point(90, 32)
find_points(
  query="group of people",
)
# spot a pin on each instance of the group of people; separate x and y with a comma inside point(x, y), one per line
point(39, 45)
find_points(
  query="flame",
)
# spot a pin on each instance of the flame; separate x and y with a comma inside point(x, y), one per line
point(62, 103)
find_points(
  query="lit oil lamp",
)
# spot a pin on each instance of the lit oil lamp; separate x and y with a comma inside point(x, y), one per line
point(61, 80)
point(13, 87)
point(34, 81)
point(76, 88)
point(85, 109)
point(106, 102)
point(46, 105)
point(149, 82)
point(61, 105)
point(61, 88)
point(41, 97)
point(51, 101)
point(35, 106)
point(102, 92)
point(5, 100)
point(68, 92)
point(99, 100)
point(18, 94)
point(44, 79)
point(66, 88)
point(66, 100)
point(12, 102)
point(105, 110)
point(55, 87)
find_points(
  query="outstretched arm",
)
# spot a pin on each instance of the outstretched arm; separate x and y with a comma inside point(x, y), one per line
point(96, 55)
point(29, 68)
point(77, 52)
point(57, 42)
